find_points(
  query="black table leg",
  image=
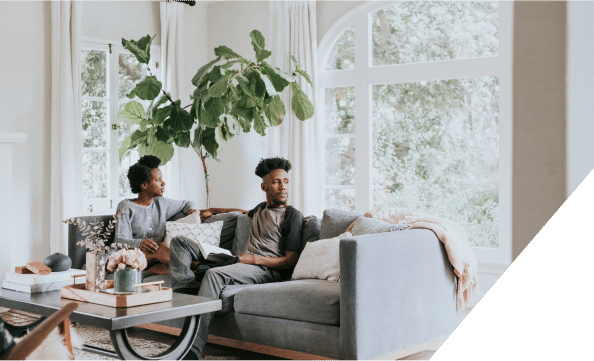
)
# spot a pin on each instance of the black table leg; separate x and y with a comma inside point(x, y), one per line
point(18, 331)
point(121, 343)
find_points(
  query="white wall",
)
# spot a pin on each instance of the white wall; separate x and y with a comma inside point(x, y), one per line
point(25, 75)
point(233, 182)
point(114, 20)
point(196, 55)
point(25, 108)
point(580, 92)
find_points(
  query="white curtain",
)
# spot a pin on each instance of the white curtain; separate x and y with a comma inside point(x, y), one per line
point(293, 30)
point(173, 78)
point(66, 158)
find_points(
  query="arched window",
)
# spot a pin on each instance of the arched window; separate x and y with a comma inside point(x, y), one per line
point(417, 111)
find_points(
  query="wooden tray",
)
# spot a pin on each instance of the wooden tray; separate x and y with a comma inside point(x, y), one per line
point(156, 294)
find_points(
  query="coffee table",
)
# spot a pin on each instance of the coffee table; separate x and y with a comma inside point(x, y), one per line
point(118, 320)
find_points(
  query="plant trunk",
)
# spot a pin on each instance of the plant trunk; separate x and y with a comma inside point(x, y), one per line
point(205, 167)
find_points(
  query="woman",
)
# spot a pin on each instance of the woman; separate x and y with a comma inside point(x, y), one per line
point(142, 220)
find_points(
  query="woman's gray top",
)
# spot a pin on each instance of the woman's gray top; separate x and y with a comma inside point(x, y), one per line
point(138, 223)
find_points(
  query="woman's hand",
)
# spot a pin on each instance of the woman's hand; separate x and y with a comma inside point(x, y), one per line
point(148, 246)
point(205, 213)
point(192, 211)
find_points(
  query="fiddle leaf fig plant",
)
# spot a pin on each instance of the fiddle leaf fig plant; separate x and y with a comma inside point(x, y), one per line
point(232, 95)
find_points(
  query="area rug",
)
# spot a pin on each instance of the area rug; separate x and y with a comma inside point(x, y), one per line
point(100, 338)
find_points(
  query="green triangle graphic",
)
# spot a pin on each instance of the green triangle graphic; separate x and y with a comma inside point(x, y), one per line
point(541, 308)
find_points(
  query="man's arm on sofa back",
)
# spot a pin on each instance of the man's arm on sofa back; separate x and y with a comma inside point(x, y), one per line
point(397, 289)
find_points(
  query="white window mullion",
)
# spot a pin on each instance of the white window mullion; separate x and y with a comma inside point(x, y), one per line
point(113, 134)
point(362, 116)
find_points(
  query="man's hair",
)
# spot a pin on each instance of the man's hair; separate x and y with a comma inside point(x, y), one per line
point(269, 164)
point(140, 172)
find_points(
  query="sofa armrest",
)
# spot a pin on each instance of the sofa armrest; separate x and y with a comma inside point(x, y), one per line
point(397, 289)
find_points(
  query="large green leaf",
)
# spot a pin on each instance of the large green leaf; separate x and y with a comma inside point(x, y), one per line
point(124, 148)
point(161, 114)
point(243, 112)
point(256, 83)
point(161, 100)
point(246, 86)
point(246, 125)
point(159, 149)
point(275, 111)
point(197, 78)
point(215, 74)
point(279, 82)
point(132, 113)
point(183, 139)
point(213, 142)
point(258, 44)
point(225, 53)
point(302, 107)
point(305, 76)
point(141, 48)
point(259, 124)
point(219, 88)
point(148, 88)
point(180, 120)
point(269, 86)
point(210, 113)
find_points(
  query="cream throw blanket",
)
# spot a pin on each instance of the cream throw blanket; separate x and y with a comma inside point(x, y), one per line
point(453, 237)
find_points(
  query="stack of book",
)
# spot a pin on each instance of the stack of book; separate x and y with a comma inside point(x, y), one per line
point(34, 283)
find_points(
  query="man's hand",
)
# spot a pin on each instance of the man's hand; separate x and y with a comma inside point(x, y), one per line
point(148, 246)
point(192, 211)
point(246, 258)
point(205, 213)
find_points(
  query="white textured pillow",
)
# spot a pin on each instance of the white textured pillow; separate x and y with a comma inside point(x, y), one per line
point(205, 232)
point(193, 218)
point(320, 259)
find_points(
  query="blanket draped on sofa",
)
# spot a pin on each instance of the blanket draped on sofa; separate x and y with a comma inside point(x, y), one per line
point(451, 234)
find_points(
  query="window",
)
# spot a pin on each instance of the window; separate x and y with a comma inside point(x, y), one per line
point(108, 73)
point(417, 112)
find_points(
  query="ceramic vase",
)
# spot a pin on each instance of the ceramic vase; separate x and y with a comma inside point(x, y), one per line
point(125, 279)
point(95, 267)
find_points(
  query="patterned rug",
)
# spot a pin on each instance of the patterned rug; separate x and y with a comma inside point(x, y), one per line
point(146, 342)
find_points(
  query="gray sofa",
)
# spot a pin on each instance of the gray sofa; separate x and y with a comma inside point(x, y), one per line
point(396, 294)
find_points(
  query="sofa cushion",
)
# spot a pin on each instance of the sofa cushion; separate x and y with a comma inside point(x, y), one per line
point(242, 231)
point(311, 230)
point(314, 301)
point(336, 221)
point(364, 225)
point(228, 231)
point(320, 260)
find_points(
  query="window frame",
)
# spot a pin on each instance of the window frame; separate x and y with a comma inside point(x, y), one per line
point(113, 48)
point(364, 75)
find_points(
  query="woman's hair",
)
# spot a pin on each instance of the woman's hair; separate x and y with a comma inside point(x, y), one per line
point(140, 172)
point(269, 164)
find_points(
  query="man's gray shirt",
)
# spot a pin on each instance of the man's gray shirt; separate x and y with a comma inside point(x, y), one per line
point(138, 223)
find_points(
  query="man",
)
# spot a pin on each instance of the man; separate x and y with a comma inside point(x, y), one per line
point(271, 252)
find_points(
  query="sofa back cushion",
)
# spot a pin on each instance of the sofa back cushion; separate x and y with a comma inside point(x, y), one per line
point(310, 232)
point(229, 225)
point(336, 221)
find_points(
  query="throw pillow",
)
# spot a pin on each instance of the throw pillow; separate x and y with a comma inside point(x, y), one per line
point(206, 232)
point(242, 231)
point(193, 218)
point(364, 225)
point(320, 260)
point(311, 230)
point(228, 231)
point(336, 221)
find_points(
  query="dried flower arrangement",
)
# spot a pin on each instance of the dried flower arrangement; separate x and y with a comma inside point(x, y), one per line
point(133, 258)
point(95, 235)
